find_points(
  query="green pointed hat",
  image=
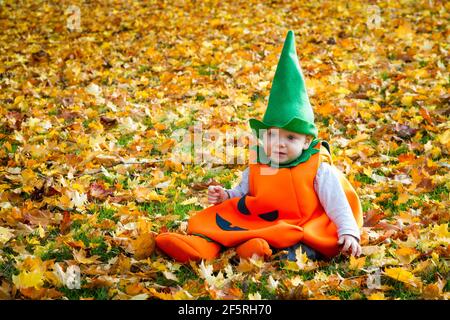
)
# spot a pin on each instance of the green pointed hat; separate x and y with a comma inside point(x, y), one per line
point(289, 106)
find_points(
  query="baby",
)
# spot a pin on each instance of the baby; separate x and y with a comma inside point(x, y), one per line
point(283, 146)
point(290, 196)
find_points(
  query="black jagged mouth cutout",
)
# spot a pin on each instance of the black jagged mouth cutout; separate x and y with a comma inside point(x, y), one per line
point(269, 216)
point(242, 207)
point(226, 225)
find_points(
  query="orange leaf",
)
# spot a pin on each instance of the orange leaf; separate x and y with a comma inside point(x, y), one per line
point(426, 115)
point(65, 223)
point(144, 245)
point(406, 157)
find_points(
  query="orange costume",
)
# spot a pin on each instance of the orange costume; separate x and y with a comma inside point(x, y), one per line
point(281, 209)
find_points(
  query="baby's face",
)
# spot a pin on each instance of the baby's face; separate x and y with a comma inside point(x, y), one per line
point(283, 146)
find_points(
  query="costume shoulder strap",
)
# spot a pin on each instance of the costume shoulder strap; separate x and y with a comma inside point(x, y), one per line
point(325, 153)
point(352, 196)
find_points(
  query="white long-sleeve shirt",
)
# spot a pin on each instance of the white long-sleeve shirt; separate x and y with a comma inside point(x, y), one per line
point(331, 196)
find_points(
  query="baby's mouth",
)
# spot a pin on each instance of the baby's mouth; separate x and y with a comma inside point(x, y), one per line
point(280, 154)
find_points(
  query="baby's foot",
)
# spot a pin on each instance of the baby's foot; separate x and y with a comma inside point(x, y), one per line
point(257, 246)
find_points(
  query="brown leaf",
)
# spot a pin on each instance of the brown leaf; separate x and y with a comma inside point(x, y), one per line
point(65, 223)
point(98, 191)
point(68, 115)
point(372, 217)
point(144, 245)
point(404, 131)
point(426, 115)
point(108, 122)
point(39, 217)
point(38, 294)
point(204, 185)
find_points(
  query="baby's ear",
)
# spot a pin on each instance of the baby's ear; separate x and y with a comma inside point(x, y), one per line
point(308, 141)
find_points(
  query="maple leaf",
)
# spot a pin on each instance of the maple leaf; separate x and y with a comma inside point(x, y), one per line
point(143, 245)
point(80, 256)
point(404, 276)
point(376, 296)
point(98, 191)
point(27, 279)
point(357, 263)
point(5, 234)
point(77, 200)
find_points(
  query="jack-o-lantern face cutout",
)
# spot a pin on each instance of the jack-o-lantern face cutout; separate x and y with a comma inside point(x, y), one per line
point(243, 209)
point(268, 216)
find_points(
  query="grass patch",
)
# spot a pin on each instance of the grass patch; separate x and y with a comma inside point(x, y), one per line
point(398, 151)
point(249, 286)
point(59, 254)
point(104, 251)
point(384, 75)
point(438, 192)
point(164, 208)
point(183, 275)
point(8, 269)
point(399, 290)
point(107, 213)
point(366, 205)
point(97, 246)
point(425, 137)
point(199, 97)
point(342, 294)
point(125, 139)
point(77, 294)
point(364, 178)
point(207, 70)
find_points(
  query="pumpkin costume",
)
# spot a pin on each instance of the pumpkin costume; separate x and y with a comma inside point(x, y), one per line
point(281, 208)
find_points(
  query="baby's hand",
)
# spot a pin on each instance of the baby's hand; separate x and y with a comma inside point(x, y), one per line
point(349, 242)
point(216, 194)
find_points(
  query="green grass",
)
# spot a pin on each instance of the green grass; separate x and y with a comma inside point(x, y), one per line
point(107, 213)
point(343, 294)
point(125, 139)
point(183, 275)
point(390, 206)
point(425, 137)
point(366, 205)
point(76, 225)
point(96, 293)
point(199, 97)
point(168, 207)
point(399, 290)
point(59, 254)
point(248, 286)
point(111, 181)
point(143, 69)
point(97, 245)
point(52, 233)
point(398, 151)
point(8, 268)
point(104, 251)
point(207, 70)
point(438, 192)
point(255, 96)
point(364, 178)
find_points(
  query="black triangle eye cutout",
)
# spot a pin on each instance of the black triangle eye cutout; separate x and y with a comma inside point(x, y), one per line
point(242, 207)
point(270, 216)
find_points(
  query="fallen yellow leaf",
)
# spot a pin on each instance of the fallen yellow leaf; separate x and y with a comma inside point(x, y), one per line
point(404, 276)
point(357, 263)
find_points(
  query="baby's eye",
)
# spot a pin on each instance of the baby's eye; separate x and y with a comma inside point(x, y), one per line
point(291, 137)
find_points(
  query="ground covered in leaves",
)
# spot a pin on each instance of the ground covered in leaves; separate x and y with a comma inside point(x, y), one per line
point(88, 113)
